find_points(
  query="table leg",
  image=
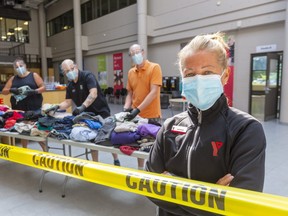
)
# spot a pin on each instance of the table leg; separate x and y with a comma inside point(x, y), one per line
point(41, 181)
point(64, 186)
point(66, 177)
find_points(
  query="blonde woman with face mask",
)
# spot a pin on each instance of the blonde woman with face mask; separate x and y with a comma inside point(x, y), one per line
point(210, 142)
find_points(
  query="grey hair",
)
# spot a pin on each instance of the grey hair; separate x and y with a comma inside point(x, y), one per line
point(135, 46)
point(210, 42)
point(67, 62)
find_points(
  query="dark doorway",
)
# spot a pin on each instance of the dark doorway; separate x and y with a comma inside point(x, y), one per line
point(265, 85)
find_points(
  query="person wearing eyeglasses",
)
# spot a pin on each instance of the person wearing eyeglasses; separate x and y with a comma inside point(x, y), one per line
point(84, 91)
point(26, 88)
point(210, 142)
point(143, 85)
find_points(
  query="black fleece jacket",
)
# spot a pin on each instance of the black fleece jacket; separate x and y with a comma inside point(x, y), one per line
point(217, 141)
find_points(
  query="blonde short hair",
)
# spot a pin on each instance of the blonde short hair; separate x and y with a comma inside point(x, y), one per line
point(210, 42)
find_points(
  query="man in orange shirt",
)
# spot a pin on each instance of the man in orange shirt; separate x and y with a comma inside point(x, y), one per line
point(144, 84)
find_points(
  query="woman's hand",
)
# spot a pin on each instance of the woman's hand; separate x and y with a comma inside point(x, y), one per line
point(226, 180)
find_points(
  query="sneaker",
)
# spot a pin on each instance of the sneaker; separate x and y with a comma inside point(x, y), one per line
point(117, 162)
point(146, 148)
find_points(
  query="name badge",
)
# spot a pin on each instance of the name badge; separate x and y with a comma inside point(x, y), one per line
point(179, 129)
point(81, 87)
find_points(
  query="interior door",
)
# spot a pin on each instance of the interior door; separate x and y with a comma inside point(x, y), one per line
point(265, 85)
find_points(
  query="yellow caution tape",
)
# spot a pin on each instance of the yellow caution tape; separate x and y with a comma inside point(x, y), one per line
point(200, 195)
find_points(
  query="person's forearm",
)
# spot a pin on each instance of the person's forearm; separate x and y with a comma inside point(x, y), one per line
point(40, 89)
point(90, 99)
point(128, 101)
point(5, 91)
point(64, 105)
point(148, 99)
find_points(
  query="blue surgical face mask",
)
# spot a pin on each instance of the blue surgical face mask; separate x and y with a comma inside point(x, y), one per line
point(21, 70)
point(202, 91)
point(72, 75)
point(137, 58)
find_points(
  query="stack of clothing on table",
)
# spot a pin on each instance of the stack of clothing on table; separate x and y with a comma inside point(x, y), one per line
point(84, 127)
point(138, 134)
point(58, 128)
point(129, 136)
point(22, 122)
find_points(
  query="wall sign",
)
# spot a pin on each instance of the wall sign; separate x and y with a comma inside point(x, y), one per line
point(266, 48)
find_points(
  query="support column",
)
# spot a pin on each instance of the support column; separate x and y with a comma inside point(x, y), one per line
point(284, 86)
point(142, 23)
point(42, 38)
point(77, 33)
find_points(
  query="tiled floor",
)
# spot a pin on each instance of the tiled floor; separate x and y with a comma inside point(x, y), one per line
point(19, 194)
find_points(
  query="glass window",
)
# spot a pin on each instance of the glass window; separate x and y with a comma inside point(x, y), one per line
point(89, 11)
point(259, 63)
point(22, 31)
point(123, 3)
point(280, 70)
point(61, 23)
point(273, 73)
point(259, 73)
point(86, 12)
point(48, 29)
point(3, 32)
point(113, 5)
point(67, 21)
point(96, 8)
point(13, 30)
point(56, 25)
point(104, 7)
point(132, 2)
point(11, 25)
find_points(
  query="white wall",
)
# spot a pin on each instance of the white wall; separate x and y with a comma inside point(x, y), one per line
point(165, 54)
point(113, 32)
point(62, 45)
point(175, 20)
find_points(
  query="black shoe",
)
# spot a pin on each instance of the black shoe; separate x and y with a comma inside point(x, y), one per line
point(117, 162)
point(146, 148)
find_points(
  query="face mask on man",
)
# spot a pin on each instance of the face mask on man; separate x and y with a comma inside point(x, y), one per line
point(202, 91)
point(137, 58)
point(21, 70)
point(72, 75)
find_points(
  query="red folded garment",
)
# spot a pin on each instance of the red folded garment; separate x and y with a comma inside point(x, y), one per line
point(9, 123)
point(127, 149)
point(16, 115)
point(3, 108)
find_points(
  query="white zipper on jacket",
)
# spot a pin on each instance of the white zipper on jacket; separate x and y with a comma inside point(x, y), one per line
point(193, 143)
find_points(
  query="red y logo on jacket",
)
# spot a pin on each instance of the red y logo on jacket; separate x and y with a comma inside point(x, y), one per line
point(216, 146)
